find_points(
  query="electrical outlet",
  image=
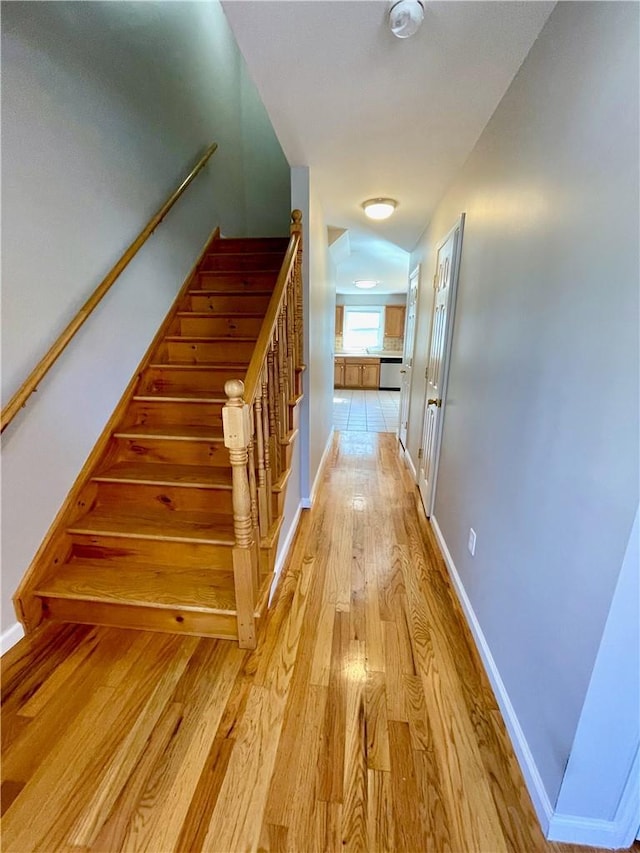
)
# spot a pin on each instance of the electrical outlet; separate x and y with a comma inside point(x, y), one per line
point(471, 544)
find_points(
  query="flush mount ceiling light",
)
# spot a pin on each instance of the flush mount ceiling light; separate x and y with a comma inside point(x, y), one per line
point(365, 283)
point(379, 208)
point(405, 17)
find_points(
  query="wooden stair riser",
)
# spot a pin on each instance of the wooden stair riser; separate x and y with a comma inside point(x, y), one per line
point(208, 352)
point(170, 380)
point(222, 303)
point(277, 502)
point(169, 621)
point(267, 560)
point(294, 415)
point(227, 261)
point(234, 245)
point(244, 281)
point(286, 450)
point(165, 498)
point(189, 452)
point(193, 324)
point(279, 493)
point(121, 551)
point(189, 413)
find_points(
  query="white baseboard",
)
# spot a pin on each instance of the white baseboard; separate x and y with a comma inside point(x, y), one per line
point(10, 637)
point(533, 781)
point(283, 551)
point(612, 834)
point(307, 503)
point(412, 468)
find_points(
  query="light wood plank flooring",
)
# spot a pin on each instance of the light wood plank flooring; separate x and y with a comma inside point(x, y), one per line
point(362, 722)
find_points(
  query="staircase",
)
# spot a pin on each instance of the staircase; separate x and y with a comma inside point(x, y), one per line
point(176, 525)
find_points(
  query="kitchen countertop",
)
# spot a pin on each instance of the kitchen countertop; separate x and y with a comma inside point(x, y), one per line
point(382, 354)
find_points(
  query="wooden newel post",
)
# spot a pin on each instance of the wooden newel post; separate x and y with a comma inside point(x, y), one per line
point(236, 425)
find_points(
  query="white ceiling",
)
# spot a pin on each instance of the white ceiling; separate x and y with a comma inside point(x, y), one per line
point(373, 115)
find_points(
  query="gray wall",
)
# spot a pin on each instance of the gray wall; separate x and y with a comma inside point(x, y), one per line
point(540, 445)
point(106, 106)
point(319, 317)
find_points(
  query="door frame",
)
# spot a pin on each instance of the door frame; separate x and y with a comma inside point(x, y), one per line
point(448, 339)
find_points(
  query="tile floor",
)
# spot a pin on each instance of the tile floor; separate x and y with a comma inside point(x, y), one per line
point(365, 411)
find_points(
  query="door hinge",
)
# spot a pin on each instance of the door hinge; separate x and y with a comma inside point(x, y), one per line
point(419, 453)
point(426, 373)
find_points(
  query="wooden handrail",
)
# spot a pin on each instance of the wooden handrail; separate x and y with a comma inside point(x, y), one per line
point(254, 371)
point(46, 362)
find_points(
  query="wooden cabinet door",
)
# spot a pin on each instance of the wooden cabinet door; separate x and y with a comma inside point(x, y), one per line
point(352, 374)
point(338, 373)
point(339, 319)
point(394, 321)
point(371, 375)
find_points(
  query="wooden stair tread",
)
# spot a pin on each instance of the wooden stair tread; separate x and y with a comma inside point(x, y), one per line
point(173, 432)
point(202, 339)
point(145, 523)
point(240, 366)
point(281, 483)
point(182, 397)
point(219, 314)
point(212, 291)
point(202, 590)
point(278, 243)
point(201, 476)
point(212, 249)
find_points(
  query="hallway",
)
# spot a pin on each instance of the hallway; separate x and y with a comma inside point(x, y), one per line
point(363, 721)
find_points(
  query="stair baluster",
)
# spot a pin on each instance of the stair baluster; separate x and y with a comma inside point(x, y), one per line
point(266, 440)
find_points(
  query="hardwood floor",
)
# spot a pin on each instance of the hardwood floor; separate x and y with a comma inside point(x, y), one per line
point(363, 721)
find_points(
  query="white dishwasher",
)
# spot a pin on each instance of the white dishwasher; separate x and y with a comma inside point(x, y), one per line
point(390, 373)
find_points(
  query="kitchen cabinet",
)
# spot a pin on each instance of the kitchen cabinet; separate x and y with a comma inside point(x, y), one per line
point(394, 321)
point(339, 319)
point(352, 373)
point(356, 372)
point(370, 376)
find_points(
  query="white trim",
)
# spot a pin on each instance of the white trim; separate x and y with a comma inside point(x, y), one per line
point(10, 637)
point(613, 834)
point(408, 461)
point(457, 232)
point(307, 503)
point(283, 551)
point(533, 781)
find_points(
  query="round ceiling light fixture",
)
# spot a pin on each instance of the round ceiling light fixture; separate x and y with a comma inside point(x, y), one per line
point(379, 208)
point(365, 283)
point(405, 17)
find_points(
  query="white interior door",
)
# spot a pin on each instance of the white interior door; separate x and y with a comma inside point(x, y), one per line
point(407, 356)
point(444, 283)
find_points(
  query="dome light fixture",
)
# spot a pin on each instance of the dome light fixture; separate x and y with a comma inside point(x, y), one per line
point(405, 17)
point(379, 208)
point(365, 283)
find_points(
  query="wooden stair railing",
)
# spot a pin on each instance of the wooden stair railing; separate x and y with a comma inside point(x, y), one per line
point(258, 430)
point(47, 361)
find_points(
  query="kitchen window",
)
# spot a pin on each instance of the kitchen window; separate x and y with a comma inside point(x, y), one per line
point(363, 328)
